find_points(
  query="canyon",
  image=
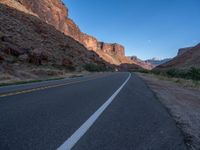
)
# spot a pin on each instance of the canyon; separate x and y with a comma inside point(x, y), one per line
point(38, 39)
point(33, 49)
point(54, 12)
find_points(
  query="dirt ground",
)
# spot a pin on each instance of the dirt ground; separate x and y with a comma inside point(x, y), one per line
point(183, 103)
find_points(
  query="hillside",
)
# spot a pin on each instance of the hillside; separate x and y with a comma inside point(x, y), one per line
point(28, 45)
point(186, 58)
point(54, 12)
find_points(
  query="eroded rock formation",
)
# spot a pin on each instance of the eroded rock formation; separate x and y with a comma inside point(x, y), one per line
point(55, 13)
point(27, 40)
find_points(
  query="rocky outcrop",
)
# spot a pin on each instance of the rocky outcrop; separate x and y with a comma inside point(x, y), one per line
point(90, 42)
point(112, 49)
point(51, 11)
point(183, 50)
point(54, 12)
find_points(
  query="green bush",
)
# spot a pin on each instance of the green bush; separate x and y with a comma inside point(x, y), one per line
point(156, 71)
point(95, 68)
point(143, 70)
point(176, 73)
point(192, 73)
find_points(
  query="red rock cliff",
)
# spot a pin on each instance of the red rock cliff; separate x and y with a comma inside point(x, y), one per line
point(55, 13)
point(112, 49)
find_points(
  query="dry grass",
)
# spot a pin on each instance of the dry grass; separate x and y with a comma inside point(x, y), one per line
point(182, 100)
point(192, 84)
point(26, 74)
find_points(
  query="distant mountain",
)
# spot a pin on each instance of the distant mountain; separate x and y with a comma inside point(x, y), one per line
point(141, 63)
point(157, 61)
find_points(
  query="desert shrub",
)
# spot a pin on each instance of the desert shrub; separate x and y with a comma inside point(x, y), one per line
point(156, 71)
point(70, 67)
point(194, 73)
point(176, 73)
point(143, 70)
point(95, 68)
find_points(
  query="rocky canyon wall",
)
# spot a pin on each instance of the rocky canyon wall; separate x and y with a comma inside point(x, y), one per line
point(55, 13)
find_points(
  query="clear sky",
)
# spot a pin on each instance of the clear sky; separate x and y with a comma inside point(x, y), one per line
point(147, 28)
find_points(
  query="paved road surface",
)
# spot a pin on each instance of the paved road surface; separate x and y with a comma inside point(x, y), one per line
point(49, 115)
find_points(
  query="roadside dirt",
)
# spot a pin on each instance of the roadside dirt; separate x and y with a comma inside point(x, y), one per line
point(182, 103)
point(16, 75)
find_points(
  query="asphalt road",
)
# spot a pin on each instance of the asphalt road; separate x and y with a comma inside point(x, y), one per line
point(51, 115)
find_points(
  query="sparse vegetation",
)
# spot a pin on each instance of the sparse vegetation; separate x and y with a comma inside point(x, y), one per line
point(192, 73)
point(95, 68)
point(30, 81)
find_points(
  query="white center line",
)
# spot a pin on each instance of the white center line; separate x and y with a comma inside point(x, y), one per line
point(70, 142)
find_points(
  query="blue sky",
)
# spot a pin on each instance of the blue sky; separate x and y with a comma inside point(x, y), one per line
point(147, 28)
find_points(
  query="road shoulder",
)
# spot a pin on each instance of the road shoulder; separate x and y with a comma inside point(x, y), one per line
point(182, 103)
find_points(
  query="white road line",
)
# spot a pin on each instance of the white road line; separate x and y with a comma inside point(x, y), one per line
point(70, 142)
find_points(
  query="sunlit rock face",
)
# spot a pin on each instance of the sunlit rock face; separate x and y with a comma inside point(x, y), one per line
point(90, 42)
point(71, 29)
point(93, 44)
point(112, 49)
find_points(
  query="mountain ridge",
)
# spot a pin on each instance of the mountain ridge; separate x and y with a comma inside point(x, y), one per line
point(185, 59)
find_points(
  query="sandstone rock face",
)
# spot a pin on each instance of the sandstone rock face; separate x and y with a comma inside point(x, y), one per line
point(51, 11)
point(90, 42)
point(27, 40)
point(118, 49)
point(55, 13)
point(112, 49)
point(18, 6)
point(71, 29)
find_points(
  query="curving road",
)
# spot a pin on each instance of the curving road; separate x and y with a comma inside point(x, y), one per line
point(98, 112)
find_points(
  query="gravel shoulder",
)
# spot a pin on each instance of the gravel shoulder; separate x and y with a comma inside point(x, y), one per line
point(183, 103)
